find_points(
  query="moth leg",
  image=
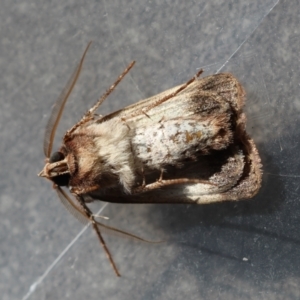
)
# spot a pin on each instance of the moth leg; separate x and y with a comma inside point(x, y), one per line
point(89, 115)
point(144, 178)
point(143, 112)
point(165, 98)
point(78, 191)
point(163, 183)
point(161, 175)
point(91, 217)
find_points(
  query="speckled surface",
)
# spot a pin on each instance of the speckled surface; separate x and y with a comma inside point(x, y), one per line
point(242, 250)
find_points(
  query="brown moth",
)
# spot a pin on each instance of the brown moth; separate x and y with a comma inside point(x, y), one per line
point(185, 145)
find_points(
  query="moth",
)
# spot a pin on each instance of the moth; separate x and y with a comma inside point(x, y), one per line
point(185, 145)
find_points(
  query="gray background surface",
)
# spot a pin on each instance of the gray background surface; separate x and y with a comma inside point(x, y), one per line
point(243, 250)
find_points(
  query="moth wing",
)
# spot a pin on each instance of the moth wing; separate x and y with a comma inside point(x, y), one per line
point(194, 99)
point(236, 173)
point(227, 86)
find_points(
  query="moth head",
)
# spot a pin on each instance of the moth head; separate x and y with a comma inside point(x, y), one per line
point(56, 169)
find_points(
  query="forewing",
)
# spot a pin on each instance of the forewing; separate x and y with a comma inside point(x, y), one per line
point(231, 174)
point(235, 174)
point(198, 98)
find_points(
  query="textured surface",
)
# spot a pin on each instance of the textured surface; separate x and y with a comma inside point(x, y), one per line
point(243, 250)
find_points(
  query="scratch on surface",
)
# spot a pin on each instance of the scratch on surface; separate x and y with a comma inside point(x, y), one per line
point(33, 287)
point(244, 41)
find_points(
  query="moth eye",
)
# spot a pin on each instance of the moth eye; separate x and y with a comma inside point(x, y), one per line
point(56, 156)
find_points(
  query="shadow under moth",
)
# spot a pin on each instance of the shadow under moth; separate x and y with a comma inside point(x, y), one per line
point(185, 145)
